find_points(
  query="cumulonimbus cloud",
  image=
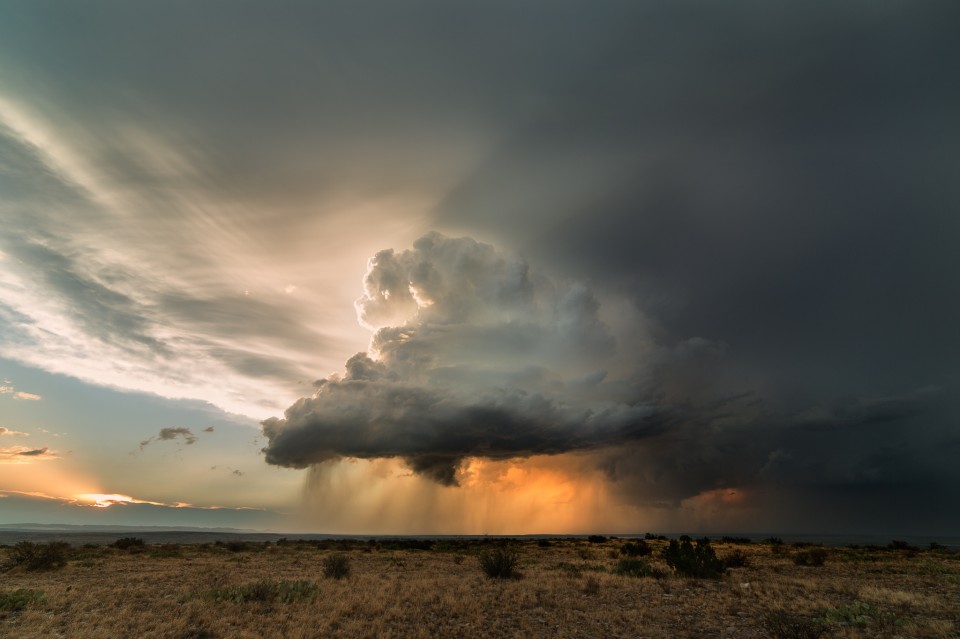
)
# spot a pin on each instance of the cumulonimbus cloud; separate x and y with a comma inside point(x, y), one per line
point(473, 355)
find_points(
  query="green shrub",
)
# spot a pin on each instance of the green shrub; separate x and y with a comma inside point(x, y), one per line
point(17, 600)
point(814, 557)
point(783, 625)
point(40, 556)
point(630, 567)
point(856, 614)
point(638, 548)
point(596, 539)
point(499, 563)
point(336, 566)
point(267, 591)
point(698, 561)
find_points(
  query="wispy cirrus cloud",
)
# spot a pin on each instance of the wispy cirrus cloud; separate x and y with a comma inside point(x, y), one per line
point(84, 295)
point(12, 433)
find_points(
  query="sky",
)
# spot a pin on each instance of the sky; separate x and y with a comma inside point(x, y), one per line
point(481, 267)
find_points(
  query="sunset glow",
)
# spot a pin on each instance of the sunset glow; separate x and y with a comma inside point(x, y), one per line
point(105, 501)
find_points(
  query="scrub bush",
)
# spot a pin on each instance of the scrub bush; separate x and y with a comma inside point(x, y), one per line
point(40, 556)
point(698, 561)
point(336, 566)
point(499, 563)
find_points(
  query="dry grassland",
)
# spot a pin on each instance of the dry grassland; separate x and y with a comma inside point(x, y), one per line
point(567, 589)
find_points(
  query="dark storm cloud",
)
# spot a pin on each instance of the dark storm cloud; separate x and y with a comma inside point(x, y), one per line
point(435, 428)
point(768, 176)
point(487, 358)
point(773, 178)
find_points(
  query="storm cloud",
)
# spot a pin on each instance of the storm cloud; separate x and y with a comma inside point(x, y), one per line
point(477, 355)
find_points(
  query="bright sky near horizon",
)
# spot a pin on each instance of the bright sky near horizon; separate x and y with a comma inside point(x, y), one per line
point(480, 268)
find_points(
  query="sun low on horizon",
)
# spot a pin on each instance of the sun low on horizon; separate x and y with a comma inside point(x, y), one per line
point(479, 270)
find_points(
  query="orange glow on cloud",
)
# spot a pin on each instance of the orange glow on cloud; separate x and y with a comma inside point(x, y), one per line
point(102, 500)
point(23, 455)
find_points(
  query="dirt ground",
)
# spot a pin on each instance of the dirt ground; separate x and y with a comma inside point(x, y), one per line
point(567, 588)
